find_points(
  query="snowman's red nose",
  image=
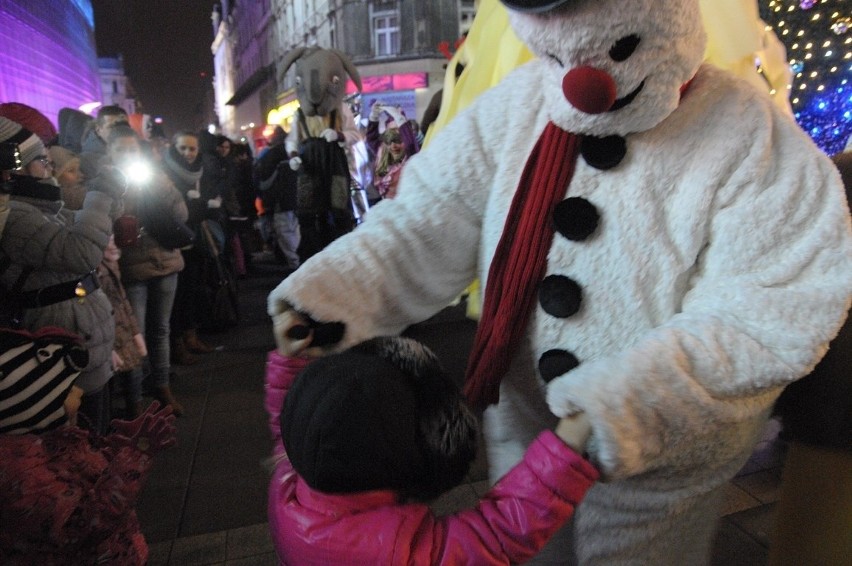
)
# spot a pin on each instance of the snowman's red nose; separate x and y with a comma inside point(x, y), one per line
point(589, 90)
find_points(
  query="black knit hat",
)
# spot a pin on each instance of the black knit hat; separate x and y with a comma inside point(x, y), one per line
point(533, 6)
point(381, 415)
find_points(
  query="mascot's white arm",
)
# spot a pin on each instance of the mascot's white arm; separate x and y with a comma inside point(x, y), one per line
point(770, 290)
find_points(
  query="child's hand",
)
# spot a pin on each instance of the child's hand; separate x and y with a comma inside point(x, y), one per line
point(574, 431)
point(139, 340)
point(292, 332)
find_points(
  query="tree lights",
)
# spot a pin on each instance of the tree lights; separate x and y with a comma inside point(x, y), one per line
point(817, 36)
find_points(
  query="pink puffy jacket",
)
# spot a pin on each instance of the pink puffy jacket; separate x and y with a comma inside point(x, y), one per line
point(510, 523)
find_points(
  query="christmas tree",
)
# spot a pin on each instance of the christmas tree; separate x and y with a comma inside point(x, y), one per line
point(818, 39)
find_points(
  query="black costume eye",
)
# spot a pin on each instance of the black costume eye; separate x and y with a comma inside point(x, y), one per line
point(624, 47)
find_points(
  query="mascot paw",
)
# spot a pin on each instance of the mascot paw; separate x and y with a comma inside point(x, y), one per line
point(295, 163)
point(292, 333)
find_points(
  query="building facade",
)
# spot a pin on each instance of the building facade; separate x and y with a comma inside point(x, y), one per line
point(394, 45)
point(243, 88)
point(48, 60)
point(115, 86)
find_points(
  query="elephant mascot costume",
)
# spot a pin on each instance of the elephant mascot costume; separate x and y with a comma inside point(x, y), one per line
point(322, 131)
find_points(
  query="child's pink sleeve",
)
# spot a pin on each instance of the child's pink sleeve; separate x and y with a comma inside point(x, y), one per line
point(281, 372)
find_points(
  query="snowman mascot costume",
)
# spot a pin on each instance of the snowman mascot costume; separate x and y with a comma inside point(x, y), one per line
point(662, 251)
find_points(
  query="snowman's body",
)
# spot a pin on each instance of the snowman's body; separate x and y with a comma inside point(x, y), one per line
point(719, 267)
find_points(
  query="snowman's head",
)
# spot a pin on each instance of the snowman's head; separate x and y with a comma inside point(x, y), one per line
point(611, 66)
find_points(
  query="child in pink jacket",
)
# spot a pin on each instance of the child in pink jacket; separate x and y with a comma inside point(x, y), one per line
point(368, 435)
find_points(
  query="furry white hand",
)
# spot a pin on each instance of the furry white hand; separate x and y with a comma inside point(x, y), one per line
point(295, 163)
point(292, 333)
point(192, 194)
point(214, 202)
point(329, 135)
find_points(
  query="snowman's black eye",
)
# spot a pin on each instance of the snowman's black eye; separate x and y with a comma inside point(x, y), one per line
point(624, 48)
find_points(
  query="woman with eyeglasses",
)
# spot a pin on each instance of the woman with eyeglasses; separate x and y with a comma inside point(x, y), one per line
point(49, 256)
point(392, 147)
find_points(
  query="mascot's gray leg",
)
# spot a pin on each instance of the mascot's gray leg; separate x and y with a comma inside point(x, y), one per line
point(663, 518)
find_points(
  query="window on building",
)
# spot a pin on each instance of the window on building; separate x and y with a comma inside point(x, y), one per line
point(115, 87)
point(386, 32)
point(467, 10)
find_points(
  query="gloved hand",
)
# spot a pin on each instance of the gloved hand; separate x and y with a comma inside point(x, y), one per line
point(192, 194)
point(214, 202)
point(151, 432)
point(330, 135)
point(295, 163)
point(110, 181)
point(375, 111)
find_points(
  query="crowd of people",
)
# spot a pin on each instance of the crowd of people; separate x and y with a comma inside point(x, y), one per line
point(85, 211)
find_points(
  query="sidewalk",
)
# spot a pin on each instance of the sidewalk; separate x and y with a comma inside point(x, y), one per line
point(205, 500)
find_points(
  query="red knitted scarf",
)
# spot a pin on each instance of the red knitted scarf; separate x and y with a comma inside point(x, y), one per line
point(519, 263)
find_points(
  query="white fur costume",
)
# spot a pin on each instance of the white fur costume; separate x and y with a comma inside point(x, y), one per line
point(720, 269)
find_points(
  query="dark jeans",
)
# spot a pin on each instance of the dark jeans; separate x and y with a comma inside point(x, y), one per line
point(152, 302)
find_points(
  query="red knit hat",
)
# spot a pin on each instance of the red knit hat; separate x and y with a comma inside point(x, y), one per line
point(31, 119)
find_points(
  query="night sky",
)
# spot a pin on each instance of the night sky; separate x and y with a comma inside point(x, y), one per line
point(166, 49)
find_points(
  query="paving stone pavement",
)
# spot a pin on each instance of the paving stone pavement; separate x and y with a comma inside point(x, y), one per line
point(205, 499)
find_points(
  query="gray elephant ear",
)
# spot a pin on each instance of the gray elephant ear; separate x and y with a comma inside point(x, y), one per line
point(350, 68)
point(288, 61)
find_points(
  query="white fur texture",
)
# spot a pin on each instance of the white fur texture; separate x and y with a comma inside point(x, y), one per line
point(721, 268)
point(670, 50)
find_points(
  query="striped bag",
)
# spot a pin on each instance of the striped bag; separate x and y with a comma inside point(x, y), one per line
point(36, 371)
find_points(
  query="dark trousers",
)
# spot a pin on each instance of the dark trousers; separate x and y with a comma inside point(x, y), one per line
point(319, 230)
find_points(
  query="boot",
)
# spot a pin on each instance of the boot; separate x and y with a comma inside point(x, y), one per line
point(165, 397)
point(180, 354)
point(194, 344)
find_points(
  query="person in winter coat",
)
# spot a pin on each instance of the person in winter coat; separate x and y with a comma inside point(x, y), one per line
point(130, 347)
point(392, 147)
point(150, 274)
point(277, 184)
point(94, 139)
point(372, 433)
point(185, 167)
point(49, 256)
point(69, 176)
point(66, 496)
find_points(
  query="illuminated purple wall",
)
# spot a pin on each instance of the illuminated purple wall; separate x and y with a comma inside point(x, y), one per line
point(48, 58)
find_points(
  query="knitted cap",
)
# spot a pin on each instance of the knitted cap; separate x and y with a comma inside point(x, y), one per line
point(31, 119)
point(381, 415)
point(29, 144)
point(36, 371)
